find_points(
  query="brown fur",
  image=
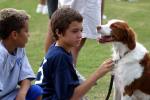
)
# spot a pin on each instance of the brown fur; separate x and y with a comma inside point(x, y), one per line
point(142, 83)
point(122, 32)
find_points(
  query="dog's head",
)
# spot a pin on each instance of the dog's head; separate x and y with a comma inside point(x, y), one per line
point(117, 31)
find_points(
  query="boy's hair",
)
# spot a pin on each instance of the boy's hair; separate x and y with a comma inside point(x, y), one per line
point(11, 20)
point(62, 18)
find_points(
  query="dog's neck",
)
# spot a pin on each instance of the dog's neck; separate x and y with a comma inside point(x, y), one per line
point(119, 50)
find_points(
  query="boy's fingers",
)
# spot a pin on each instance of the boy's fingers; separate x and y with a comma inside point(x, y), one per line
point(108, 60)
point(110, 65)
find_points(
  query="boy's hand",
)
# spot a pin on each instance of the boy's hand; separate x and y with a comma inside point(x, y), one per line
point(105, 67)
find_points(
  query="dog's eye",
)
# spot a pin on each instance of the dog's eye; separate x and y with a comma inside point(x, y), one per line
point(113, 26)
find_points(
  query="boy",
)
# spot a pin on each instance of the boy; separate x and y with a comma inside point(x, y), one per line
point(15, 71)
point(91, 10)
point(57, 75)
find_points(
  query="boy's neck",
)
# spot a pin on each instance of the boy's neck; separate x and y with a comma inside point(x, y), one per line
point(9, 46)
point(67, 48)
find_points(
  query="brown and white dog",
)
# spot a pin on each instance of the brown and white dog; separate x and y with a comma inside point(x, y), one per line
point(132, 61)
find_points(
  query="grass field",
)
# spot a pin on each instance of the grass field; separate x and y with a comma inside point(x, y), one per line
point(137, 14)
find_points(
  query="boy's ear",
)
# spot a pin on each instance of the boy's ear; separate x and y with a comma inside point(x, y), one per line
point(58, 33)
point(14, 34)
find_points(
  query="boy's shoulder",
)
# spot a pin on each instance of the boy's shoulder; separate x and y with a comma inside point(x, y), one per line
point(3, 50)
point(57, 52)
point(4, 53)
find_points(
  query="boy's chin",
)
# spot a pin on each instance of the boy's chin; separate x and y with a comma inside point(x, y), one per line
point(77, 45)
point(22, 46)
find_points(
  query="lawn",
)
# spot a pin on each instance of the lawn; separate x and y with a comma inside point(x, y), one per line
point(137, 14)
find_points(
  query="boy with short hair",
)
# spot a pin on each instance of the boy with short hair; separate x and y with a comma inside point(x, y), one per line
point(57, 75)
point(15, 71)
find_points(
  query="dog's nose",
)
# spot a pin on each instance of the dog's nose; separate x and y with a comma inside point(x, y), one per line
point(98, 27)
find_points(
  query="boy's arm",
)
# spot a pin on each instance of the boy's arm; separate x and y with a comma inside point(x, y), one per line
point(25, 78)
point(24, 87)
point(82, 89)
point(26, 71)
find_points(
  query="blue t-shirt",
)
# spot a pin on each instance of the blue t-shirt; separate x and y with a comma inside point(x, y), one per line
point(57, 75)
point(13, 69)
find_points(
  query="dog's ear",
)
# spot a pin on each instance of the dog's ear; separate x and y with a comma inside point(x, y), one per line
point(131, 38)
point(146, 61)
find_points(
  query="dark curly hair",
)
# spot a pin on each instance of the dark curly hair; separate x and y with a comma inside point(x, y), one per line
point(11, 20)
point(62, 18)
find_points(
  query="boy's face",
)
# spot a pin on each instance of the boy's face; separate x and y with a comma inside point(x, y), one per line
point(22, 37)
point(72, 35)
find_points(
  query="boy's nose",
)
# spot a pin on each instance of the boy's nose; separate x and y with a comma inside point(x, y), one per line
point(80, 35)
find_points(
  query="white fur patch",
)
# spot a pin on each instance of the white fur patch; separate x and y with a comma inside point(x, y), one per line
point(127, 69)
point(105, 29)
point(141, 96)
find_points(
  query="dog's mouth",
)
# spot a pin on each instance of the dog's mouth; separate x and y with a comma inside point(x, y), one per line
point(104, 39)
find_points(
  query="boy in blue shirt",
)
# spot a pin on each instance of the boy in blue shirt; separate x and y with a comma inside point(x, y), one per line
point(57, 75)
point(15, 71)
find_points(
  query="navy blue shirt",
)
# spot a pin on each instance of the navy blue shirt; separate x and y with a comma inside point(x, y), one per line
point(57, 75)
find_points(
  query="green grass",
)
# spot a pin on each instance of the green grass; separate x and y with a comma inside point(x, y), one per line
point(137, 14)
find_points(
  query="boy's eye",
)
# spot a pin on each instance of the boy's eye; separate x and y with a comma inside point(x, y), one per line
point(77, 31)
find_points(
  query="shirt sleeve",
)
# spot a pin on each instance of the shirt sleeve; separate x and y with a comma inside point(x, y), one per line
point(1, 84)
point(65, 79)
point(26, 70)
point(1, 87)
point(1, 73)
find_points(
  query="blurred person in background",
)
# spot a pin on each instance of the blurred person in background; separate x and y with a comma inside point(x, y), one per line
point(42, 7)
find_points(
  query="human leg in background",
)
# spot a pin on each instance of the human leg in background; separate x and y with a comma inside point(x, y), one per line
point(52, 6)
point(42, 7)
point(75, 51)
point(103, 16)
point(49, 40)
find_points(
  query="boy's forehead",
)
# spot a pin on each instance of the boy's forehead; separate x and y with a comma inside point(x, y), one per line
point(75, 24)
point(26, 24)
